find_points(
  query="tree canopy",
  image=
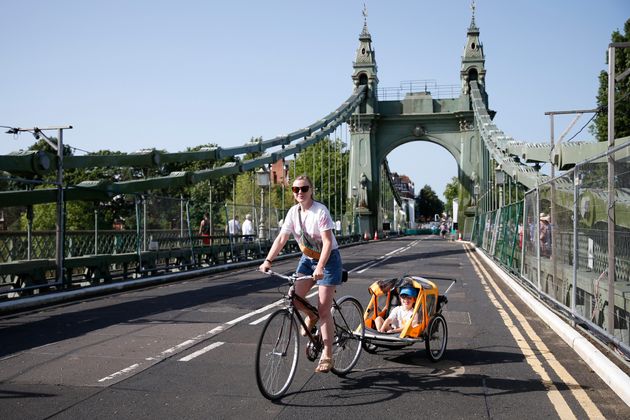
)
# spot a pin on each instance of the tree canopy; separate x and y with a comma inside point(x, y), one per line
point(622, 100)
point(428, 203)
point(450, 193)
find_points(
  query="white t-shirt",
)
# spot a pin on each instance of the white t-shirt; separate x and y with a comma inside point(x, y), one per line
point(315, 220)
point(399, 316)
point(248, 227)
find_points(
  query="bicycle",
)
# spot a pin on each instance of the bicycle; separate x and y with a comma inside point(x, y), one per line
point(278, 346)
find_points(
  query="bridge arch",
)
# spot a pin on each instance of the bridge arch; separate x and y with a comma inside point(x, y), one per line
point(390, 147)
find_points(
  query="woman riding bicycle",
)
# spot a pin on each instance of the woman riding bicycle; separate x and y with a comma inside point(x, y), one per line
point(310, 223)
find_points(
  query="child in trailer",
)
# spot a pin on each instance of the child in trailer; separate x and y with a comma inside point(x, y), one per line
point(399, 316)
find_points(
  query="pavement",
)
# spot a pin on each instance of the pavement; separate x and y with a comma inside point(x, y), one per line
point(614, 376)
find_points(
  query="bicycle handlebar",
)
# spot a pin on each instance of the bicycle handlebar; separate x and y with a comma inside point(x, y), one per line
point(292, 278)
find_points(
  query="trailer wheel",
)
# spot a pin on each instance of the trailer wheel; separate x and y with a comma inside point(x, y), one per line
point(437, 336)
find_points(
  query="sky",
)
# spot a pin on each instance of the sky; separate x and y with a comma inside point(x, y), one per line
point(130, 75)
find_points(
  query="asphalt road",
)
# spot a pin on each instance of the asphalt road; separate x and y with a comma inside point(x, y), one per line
point(185, 350)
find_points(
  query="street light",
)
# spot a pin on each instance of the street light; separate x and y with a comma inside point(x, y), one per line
point(285, 180)
point(262, 179)
point(499, 179)
point(60, 228)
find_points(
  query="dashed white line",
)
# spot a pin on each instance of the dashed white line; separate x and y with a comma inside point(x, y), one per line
point(120, 372)
point(264, 318)
point(373, 264)
point(366, 266)
point(202, 351)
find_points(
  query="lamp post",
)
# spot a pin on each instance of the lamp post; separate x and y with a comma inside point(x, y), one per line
point(262, 179)
point(285, 180)
point(499, 180)
point(58, 146)
point(355, 192)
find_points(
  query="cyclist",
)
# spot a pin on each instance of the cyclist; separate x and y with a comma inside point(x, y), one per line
point(310, 223)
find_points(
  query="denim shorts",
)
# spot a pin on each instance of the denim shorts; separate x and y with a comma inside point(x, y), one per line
point(332, 270)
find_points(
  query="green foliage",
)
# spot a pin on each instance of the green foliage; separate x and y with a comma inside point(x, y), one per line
point(450, 193)
point(315, 162)
point(209, 196)
point(79, 216)
point(318, 162)
point(622, 100)
point(428, 203)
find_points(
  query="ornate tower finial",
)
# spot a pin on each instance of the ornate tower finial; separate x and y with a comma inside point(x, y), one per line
point(365, 13)
point(473, 7)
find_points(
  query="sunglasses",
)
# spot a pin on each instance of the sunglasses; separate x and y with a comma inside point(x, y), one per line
point(406, 297)
point(303, 188)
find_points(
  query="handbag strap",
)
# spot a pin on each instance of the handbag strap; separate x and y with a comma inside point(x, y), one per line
point(306, 237)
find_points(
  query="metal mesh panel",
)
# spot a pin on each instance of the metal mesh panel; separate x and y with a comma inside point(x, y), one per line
point(621, 322)
point(162, 224)
point(592, 244)
point(530, 239)
point(559, 271)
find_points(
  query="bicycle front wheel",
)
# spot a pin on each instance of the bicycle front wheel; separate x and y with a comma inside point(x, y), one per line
point(277, 355)
point(349, 334)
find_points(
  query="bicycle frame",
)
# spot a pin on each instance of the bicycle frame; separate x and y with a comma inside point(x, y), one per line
point(291, 297)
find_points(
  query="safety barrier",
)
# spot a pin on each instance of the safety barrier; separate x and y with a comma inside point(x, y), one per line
point(557, 240)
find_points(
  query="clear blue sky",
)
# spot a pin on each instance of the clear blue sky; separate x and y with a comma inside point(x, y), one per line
point(140, 74)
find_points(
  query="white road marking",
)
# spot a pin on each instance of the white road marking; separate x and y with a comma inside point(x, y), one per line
point(202, 351)
point(367, 265)
point(120, 372)
point(189, 343)
point(372, 265)
point(259, 320)
point(401, 249)
point(172, 350)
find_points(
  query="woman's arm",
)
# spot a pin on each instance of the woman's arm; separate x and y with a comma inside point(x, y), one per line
point(325, 254)
point(277, 246)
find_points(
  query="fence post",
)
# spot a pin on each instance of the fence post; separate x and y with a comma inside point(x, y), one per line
point(576, 195)
point(138, 247)
point(611, 190)
point(96, 229)
point(190, 236)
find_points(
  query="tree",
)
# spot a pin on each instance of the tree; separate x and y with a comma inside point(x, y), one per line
point(314, 161)
point(428, 203)
point(622, 103)
point(451, 192)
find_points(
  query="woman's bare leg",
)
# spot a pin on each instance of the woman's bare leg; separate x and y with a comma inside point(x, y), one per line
point(326, 295)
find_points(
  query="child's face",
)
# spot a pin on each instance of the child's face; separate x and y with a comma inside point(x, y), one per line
point(407, 301)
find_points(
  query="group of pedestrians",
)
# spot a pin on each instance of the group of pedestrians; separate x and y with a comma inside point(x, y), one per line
point(234, 228)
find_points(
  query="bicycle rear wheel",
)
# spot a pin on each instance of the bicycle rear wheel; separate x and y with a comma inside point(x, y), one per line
point(349, 334)
point(277, 355)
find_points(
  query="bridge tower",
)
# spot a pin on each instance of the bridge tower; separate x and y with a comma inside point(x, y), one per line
point(363, 136)
point(379, 126)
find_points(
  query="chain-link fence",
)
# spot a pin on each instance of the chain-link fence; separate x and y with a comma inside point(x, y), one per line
point(563, 237)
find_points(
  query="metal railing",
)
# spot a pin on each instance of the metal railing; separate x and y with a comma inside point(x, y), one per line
point(429, 87)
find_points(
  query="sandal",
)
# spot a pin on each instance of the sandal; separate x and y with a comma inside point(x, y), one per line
point(310, 324)
point(325, 365)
